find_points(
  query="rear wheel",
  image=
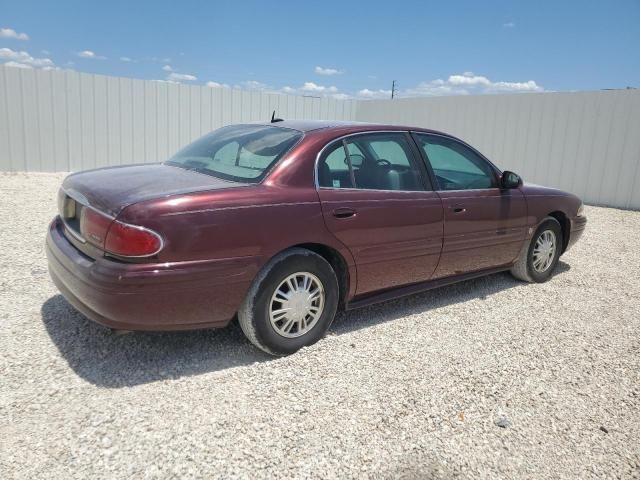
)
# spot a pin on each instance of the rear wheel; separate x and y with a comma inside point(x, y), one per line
point(291, 303)
point(540, 256)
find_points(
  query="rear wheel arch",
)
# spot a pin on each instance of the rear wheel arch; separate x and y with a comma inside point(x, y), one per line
point(337, 262)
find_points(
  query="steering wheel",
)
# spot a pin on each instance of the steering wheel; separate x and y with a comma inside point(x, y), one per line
point(383, 163)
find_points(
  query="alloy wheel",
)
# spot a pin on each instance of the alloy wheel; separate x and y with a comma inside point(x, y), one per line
point(544, 251)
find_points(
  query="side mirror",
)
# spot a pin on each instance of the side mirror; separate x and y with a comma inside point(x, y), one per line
point(510, 180)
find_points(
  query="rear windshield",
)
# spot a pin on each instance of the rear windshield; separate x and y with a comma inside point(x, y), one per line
point(241, 153)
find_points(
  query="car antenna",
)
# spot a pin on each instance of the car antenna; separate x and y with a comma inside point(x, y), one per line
point(274, 119)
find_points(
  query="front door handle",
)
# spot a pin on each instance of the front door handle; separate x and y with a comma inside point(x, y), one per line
point(458, 209)
point(344, 212)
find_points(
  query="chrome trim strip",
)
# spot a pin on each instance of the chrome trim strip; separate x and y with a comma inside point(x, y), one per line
point(77, 196)
point(427, 201)
point(374, 190)
point(72, 232)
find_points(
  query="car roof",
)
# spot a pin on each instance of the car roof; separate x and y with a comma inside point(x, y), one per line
point(312, 125)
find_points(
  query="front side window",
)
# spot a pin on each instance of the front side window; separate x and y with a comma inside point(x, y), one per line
point(456, 166)
point(241, 153)
point(378, 161)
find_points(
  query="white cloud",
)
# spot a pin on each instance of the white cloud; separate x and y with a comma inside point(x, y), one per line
point(468, 78)
point(311, 88)
point(314, 87)
point(157, 59)
point(11, 33)
point(528, 86)
point(90, 54)
point(167, 68)
point(253, 85)
point(432, 89)
point(24, 58)
point(179, 77)
point(328, 71)
point(11, 63)
point(126, 59)
point(468, 83)
point(166, 81)
point(366, 93)
point(216, 84)
point(509, 25)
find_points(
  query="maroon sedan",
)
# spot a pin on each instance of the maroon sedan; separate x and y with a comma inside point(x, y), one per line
point(283, 223)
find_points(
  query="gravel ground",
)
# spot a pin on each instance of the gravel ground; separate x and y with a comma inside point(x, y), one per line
point(485, 379)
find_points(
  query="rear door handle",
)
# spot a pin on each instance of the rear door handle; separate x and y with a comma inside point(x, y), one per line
point(344, 212)
point(458, 209)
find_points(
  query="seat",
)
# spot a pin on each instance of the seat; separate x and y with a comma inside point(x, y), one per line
point(394, 180)
point(324, 175)
point(369, 177)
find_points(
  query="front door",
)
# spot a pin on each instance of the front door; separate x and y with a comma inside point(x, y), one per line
point(377, 200)
point(484, 225)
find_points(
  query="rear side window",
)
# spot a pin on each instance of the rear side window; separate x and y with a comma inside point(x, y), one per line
point(456, 166)
point(378, 161)
point(334, 171)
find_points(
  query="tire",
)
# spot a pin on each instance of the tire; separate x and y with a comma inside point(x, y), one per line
point(307, 320)
point(525, 267)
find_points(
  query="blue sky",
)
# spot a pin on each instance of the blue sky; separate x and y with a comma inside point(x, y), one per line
point(337, 48)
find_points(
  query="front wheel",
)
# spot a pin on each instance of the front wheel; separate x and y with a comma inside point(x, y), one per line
point(291, 303)
point(540, 257)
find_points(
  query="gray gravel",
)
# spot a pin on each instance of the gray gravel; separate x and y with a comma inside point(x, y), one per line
point(488, 378)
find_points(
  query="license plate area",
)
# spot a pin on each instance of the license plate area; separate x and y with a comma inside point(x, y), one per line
point(70, 211)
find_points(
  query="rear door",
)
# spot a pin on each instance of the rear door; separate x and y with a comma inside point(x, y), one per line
point(377, 200)
point(484, 226)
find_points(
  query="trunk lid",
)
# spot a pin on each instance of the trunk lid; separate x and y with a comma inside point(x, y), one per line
point(114, 188)
point(109, 190)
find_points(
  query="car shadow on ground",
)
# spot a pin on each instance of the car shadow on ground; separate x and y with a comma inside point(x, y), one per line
point(105, 359)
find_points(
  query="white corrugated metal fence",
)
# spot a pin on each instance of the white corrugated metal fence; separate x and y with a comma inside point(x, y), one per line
point(584, 142)
point(66, 121)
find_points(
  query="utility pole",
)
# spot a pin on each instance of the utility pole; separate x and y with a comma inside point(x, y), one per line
point(393, 89)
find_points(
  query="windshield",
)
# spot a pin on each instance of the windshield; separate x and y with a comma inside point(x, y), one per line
point(241, 153)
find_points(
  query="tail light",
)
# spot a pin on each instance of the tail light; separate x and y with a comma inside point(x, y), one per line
point(118, 238)
point(132, 240)
point(94, 226)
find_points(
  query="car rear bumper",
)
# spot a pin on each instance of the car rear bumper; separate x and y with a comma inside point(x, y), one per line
point(578, 224)
point(143, 296)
